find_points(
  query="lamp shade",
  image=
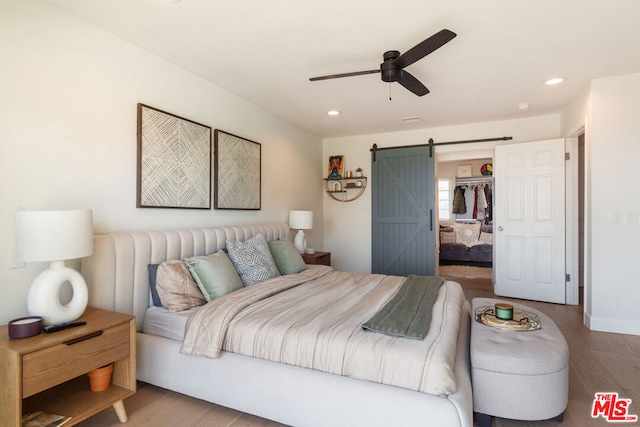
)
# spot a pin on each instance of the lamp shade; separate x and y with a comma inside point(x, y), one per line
point(301, 220)
point(54, 235)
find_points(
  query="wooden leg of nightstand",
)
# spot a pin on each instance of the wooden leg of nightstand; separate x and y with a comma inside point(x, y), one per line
point(120, 411)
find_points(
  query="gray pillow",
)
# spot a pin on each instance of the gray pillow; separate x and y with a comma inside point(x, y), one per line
point(253, 260)
point(287, 257)
point(215, 275)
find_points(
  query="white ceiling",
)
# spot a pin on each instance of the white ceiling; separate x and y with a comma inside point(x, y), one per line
point(265, 52)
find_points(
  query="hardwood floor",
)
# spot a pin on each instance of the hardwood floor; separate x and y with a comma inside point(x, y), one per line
point(599, 362)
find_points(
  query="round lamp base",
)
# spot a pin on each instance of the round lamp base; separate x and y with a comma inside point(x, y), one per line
point(44, 295)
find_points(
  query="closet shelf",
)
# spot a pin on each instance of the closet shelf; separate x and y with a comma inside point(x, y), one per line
point(474, 180)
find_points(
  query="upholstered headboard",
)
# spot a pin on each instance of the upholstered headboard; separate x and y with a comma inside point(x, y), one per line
point(117, 274)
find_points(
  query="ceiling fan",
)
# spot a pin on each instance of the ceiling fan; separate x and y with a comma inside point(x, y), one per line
point(392, 69)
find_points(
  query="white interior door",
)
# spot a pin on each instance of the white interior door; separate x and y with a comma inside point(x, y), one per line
point(529, 221)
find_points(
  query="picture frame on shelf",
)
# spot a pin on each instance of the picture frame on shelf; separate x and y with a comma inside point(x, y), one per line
point(464, 171)
point(336, 166)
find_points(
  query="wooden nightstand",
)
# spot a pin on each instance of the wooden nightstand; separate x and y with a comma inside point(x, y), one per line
point(47, 372)
point(323, 258)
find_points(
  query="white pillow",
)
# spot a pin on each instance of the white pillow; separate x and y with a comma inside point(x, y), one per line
point(486, 238)
point(467, 233)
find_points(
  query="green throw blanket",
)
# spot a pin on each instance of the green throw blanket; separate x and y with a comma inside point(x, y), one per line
point(408, 313)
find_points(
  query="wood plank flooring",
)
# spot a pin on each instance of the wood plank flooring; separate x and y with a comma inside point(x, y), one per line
point(599, 362)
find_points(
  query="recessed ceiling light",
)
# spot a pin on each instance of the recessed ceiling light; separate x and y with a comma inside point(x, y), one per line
point(553, 81)
point(524, 106)
point(333, 112)
point(412, 119)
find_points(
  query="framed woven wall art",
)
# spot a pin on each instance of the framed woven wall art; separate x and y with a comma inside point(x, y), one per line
point(174, 161)
point(237, 172)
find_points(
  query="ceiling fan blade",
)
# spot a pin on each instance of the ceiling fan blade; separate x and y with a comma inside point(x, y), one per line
point(411, 83)
point(337, 76)
point(424, 48)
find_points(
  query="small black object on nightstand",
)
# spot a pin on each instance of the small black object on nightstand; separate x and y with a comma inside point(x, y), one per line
point(61, 326)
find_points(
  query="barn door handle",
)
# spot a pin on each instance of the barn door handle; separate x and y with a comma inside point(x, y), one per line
point(430, 219)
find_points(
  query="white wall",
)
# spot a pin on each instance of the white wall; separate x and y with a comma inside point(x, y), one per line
point(68, 95)
point(347, 228)
point(613, 135)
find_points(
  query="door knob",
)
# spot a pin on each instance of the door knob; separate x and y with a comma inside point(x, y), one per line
point(500, 228)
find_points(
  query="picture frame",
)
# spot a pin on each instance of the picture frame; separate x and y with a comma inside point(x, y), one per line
point(336, 166)
point(464, 171)
point(174, 161)
point(237, 172)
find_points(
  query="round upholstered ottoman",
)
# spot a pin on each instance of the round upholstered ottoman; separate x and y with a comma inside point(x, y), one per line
point(521, 375)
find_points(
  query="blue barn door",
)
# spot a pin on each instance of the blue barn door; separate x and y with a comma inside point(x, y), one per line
point(403, 209)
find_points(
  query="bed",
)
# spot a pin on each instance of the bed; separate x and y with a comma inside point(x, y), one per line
point(118, 279)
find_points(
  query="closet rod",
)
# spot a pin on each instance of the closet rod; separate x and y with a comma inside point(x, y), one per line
point(431, 144)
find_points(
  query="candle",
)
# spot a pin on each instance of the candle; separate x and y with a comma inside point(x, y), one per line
point(504, 311)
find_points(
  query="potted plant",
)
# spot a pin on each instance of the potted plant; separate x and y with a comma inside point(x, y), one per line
point(359, 172)
point(100, 379)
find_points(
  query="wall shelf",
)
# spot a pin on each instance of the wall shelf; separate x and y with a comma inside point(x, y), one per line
point(345, 189)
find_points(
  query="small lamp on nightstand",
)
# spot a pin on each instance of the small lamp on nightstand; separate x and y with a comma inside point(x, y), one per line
point(55, 236)
point(300, 220)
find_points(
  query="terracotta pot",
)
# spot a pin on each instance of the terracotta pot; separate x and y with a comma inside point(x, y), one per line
point(100, 379)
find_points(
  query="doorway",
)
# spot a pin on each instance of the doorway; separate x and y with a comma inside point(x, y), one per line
point(465, 188)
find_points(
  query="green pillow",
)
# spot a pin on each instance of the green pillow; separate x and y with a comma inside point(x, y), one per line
point(286, 256)
point(215, 274)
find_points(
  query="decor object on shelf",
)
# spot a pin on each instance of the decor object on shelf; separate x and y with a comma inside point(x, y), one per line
point(55, 236)
point(174, 161)
point(464, 171)
point(237, 172)
point(345, 189)
point(336, 167)
point(25, 327)
point(301, 220)
point(486, 169)
point(100, 379)
point(359, 172)
point(46, 419)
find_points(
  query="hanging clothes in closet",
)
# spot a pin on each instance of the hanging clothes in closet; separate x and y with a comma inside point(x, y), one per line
point(459, 204)
point(476, 199)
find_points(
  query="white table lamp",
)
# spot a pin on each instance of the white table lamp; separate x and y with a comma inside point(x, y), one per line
point(300, 220)
point(55, 236)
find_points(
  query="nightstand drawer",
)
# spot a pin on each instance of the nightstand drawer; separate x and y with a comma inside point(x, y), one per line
point(54, 365)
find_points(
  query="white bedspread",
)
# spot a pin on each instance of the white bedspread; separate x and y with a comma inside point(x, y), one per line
point(314, 320)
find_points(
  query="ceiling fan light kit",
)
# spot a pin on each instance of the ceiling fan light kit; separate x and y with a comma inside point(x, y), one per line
point(392, 67)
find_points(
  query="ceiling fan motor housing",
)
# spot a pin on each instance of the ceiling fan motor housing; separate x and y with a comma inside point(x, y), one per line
point(388, 71)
